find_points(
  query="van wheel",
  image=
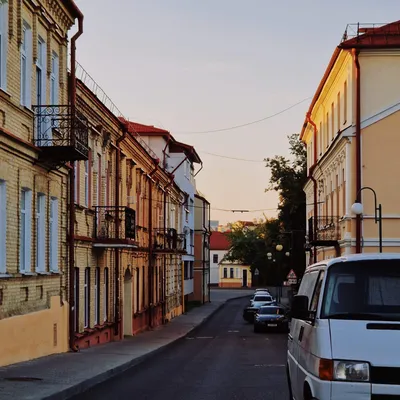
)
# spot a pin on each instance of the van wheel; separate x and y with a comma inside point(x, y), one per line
point(289, 383)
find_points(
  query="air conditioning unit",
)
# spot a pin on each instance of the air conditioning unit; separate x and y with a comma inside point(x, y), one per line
point(131, 200)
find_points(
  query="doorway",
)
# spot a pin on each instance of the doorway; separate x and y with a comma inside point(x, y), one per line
point(127, 303)
point(244, 279)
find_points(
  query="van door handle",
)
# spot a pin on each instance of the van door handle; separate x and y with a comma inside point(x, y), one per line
point(301, 333)
point(290, 337)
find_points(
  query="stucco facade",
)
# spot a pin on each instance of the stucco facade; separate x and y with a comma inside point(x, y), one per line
point(234, 275)
point(351, 133)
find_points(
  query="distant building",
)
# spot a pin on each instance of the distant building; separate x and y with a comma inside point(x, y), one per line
point(219, 246)
point(234, 275)
point(214, 225)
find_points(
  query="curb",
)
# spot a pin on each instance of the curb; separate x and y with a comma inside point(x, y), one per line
point(85, 385)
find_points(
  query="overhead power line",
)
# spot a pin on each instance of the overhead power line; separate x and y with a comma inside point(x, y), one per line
point(245, 124)
point(230, 158)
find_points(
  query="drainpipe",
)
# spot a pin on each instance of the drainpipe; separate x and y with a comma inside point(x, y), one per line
point(358, 143)
point(164, 151)
point(164, 287)
point(117, 226)
point(204, 234)
point(150, 272)
point(310, 176)
point(201, 167)
point(71, 238)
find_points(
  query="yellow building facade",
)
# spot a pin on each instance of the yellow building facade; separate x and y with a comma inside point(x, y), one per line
point(35, 123)
point(234, 275)
point(350, 132)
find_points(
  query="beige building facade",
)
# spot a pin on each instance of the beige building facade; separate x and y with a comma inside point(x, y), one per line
point(36, 125)
point(350, 132)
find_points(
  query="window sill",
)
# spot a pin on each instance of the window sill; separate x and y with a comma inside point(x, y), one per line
point(43, 273)
point(4, 94)
point(55, 272)
point(5, 276)
point(27, 273)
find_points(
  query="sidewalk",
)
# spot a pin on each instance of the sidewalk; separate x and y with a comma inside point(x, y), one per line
point(61, 376)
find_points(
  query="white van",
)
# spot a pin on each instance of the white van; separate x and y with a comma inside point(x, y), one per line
point(344, 340)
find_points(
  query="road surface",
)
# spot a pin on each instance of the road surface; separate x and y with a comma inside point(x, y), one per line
point(221, 360)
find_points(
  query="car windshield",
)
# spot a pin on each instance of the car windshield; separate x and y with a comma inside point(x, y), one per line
point(262, 298)
point(364, 290)
point(271, 310)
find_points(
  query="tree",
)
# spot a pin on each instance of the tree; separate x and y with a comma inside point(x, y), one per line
point(288, 177)
point(251, 246)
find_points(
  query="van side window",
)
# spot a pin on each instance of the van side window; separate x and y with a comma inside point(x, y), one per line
point(317, 292)
point(308, 284)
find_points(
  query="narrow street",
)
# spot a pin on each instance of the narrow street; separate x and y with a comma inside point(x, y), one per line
point(224, 359)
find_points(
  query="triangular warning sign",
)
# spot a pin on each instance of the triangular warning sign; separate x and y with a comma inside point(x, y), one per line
point(291, 275)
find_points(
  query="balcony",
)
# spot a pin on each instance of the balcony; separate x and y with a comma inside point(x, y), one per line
point(325, 233)
point(115, 227)
point(168, 240)
point(61, 135)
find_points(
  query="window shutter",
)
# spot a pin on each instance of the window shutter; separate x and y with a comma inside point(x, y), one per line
point(28, 227)
point(3, 226)
point(54, 235)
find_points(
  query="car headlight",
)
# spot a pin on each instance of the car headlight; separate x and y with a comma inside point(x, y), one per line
point(355, 371)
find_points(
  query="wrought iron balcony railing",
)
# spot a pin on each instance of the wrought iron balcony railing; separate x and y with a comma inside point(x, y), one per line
point(168, 239)
point(61, 134)
point(326, 229)
point(106, 219)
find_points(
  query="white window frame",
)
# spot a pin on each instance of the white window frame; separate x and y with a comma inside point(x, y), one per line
point(54, 79)
point(97, 296)
point(25, 230)
point(3, 43)
point(53, 235)
point(41, 67)
point(3, 227)
point(40, 232)
point(26, 65)
point(86, 292)
point(87, 183)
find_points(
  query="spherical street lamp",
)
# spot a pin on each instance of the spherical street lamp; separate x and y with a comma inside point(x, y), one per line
point(287, 254)
point(279, 247)
point(357, 208)
point(269, 255)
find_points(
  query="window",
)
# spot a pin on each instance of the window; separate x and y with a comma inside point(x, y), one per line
point(307, 284)
point(76, 181)
point(54, 79)
point(97, 296)
point(231, 273)
point(138, 290)
point(25, 230)
point(237, 273)
point(53, 234)
point(105, 295)
point(87, 179)
point(76, 299)
point(332, 120)
point(40, 232)
point(317, 292)
point(327, 130)
point(98, 191)
point(215, 258)
point(338, 113)
point(26, 65)
point(41, 73)
point(86, 291)
point(225, 273)
point(319, 139)
point(358, 289)
point(3, 43)
point(3, 227)
point(343, 192)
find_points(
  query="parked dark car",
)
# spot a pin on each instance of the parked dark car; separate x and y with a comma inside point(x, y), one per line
point(271, 317)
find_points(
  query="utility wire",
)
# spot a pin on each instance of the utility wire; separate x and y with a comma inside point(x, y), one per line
point(231, 158)
point(245, 124)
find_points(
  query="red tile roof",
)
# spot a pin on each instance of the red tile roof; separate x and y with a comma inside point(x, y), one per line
point(219, 241)
point(140, 128)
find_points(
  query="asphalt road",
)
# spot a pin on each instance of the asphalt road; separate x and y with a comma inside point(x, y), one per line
point(221, 360)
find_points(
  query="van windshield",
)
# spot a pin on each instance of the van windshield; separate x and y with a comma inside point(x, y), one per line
point(365, 289)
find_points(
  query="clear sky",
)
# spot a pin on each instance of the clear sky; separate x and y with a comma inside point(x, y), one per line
point(190, 66)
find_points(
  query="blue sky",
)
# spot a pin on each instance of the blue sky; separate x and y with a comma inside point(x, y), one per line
point(190, 66)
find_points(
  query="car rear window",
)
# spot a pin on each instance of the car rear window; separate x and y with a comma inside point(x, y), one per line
point(262, 298)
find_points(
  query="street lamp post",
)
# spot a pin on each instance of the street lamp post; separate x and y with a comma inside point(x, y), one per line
point(357, 209)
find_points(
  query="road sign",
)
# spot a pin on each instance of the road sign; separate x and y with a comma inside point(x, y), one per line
point(256, 272)
point(291, 275)
point(292, 281)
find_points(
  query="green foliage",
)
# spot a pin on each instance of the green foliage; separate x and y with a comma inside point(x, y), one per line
point(250, 246)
